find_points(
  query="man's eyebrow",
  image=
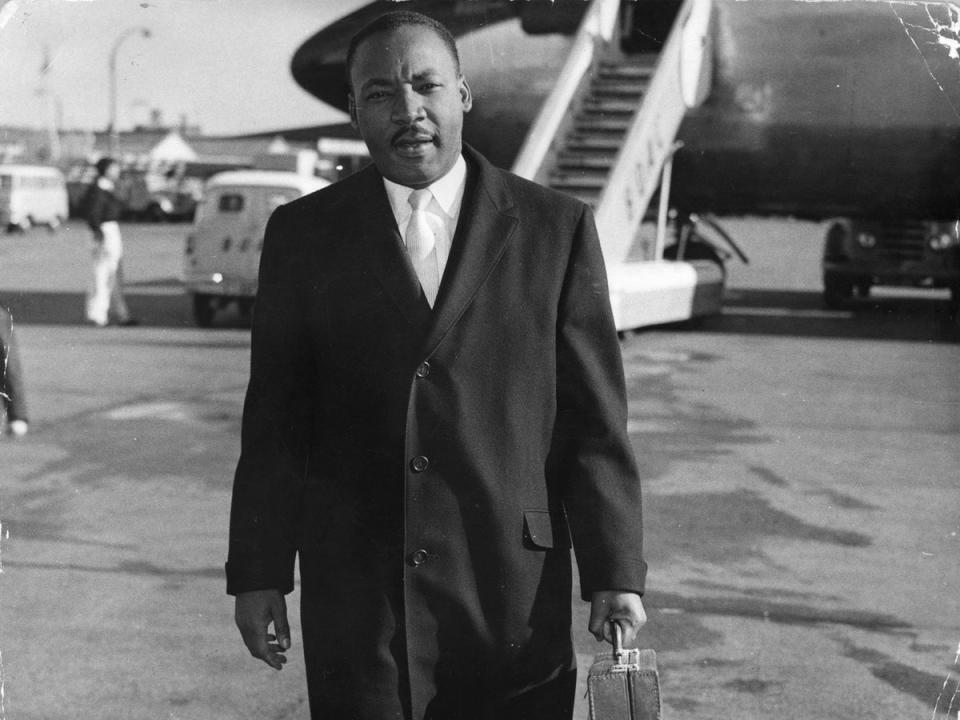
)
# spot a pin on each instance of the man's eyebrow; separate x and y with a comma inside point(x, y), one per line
point(428, 74)
point(374, 82)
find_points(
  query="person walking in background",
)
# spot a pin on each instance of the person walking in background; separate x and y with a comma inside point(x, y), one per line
point(436, 414)
point(13, 401)
point(102, 208)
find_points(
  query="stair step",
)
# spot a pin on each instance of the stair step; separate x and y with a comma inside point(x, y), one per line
point(609, 106)
point(578, 181)
point(602, 124)
point(592, 143)
point(585, 161)
point(625, 70)
point(607, 89)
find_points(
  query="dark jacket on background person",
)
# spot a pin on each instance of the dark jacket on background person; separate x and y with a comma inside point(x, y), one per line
point(431, 467)
point(100, 206)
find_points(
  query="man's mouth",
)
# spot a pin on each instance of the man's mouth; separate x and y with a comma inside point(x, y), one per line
point(413, 144)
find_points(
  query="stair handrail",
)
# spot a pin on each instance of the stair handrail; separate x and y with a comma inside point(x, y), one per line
point(675, 86)
point(596, 30)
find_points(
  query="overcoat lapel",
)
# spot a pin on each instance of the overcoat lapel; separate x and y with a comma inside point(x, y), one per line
point(386, 254)
point(487, 220)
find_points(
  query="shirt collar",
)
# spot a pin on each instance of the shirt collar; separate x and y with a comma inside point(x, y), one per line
point(447, 191)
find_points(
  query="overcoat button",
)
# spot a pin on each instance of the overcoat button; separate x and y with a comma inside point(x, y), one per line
point(419, 464)
point(418, 557)
point(423, 369)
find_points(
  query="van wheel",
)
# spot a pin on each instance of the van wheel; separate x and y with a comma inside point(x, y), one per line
point(154, 213)
point(837, 290)
point(245, 306)
point(203, 310)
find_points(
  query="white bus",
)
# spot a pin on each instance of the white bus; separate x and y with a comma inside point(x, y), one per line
point(32, 195)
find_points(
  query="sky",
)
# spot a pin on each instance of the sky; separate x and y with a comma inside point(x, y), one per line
point(221, 64)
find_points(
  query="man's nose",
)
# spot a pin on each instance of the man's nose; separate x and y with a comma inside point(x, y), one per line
point(407, 107)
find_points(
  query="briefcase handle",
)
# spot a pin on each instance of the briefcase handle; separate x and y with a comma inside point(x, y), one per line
point(624, 659)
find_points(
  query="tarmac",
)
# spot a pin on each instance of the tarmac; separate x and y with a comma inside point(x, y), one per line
point(800, 489)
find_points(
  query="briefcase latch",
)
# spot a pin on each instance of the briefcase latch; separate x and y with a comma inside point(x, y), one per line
point(624, 659)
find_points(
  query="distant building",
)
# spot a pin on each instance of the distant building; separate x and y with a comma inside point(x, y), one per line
point(157, 149)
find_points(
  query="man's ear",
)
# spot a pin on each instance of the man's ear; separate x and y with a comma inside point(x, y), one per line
point(466, 97)
point(352, 109)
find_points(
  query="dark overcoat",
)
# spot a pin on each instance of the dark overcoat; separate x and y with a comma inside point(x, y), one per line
point(431, 467)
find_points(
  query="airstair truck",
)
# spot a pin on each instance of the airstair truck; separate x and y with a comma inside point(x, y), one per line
point(607, 134)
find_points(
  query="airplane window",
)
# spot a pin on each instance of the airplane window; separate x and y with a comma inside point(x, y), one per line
point(230, 203)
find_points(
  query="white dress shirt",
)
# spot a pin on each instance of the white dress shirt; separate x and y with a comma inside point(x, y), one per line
point(442, 212)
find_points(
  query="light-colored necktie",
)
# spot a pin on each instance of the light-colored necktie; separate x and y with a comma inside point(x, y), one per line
point(421, 244)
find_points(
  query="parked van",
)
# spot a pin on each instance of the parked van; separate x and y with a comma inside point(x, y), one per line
point(32, 195)
point(222, 253)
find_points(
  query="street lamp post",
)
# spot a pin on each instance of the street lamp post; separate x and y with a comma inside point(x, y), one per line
point(112, 127)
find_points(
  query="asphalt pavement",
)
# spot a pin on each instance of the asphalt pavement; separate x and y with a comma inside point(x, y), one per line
point(801, 498)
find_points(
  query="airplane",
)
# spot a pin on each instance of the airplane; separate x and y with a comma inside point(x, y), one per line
point(678, 111)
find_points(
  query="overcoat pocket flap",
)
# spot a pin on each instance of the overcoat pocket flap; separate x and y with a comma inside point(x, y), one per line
point(545, 530)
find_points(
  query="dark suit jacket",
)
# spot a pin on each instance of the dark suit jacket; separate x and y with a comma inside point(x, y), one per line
point(432, 467)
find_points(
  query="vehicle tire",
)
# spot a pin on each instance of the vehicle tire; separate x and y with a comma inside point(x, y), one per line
point(953, 304)
point(837, 290)
point(155, 213)
point(245, 305)
point(204, 308)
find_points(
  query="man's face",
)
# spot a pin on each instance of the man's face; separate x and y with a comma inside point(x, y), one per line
point(407, 101)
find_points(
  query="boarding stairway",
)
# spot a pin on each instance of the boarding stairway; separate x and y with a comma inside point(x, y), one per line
point(588, 152)
point(606, 134)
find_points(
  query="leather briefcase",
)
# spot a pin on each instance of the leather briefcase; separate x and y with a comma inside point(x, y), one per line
point(624, 684)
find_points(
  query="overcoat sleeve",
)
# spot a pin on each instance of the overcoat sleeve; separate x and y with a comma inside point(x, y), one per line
point(276, 421)
point(591, 456)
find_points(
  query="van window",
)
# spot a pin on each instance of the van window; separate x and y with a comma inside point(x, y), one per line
point(6, 182)
point(230, 203)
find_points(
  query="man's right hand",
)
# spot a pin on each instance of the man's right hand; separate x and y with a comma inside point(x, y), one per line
point(255, 610)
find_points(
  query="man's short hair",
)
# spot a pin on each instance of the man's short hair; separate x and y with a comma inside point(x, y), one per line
point(103, 164)
point(397, 19)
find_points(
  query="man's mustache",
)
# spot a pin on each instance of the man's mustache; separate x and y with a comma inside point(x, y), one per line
point(412, 134)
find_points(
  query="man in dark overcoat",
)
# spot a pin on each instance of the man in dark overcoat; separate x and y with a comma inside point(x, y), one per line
point(436, 412)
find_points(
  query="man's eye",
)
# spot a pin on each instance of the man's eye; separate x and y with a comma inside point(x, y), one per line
point(428, 87)
point(375, 95)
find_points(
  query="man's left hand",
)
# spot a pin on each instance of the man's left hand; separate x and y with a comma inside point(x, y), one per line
point(623, 608)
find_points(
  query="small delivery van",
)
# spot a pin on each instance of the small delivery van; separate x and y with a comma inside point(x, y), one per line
point(32, 195)
point(222, 252)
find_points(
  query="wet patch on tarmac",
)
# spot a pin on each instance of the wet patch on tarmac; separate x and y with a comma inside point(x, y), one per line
point(736, 523)
point(676, 631)
point(133, 441)
point(769, 476)
point(682, 705)
point(780, 612)
point(753, 686)
point(665, 427)
point(41, 531)
point(124, 568)
point(843, 501)
point(762, 592)
point(923, 686)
